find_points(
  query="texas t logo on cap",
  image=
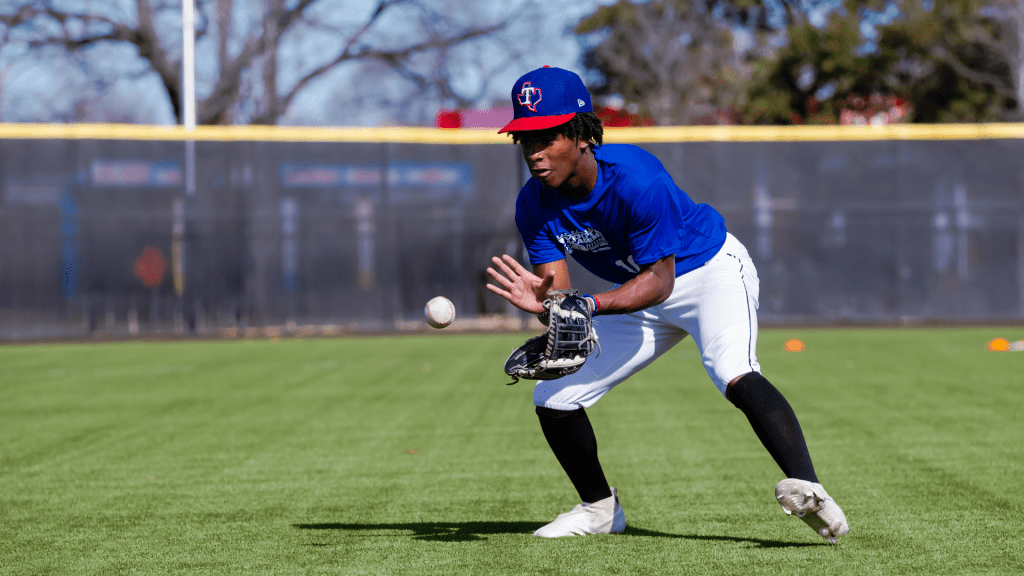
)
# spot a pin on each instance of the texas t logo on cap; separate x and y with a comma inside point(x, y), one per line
point(526, 95)
point(563, 94)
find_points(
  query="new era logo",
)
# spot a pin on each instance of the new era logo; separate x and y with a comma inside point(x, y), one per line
point(581, 103)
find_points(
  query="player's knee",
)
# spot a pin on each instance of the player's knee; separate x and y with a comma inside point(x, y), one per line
point(752, 375)
point(546, 413)
point(741, 384)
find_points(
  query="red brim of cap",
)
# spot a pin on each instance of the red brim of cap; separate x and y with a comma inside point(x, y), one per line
point(536, 123)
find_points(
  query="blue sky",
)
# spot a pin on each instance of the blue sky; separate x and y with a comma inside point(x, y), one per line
point(31, 87)
point(550, 37)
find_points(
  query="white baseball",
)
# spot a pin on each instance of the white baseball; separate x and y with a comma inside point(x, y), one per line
point(440, 312)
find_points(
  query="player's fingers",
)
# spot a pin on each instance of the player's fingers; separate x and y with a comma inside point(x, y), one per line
point(504, 294)
point(515, 265)
point(504, 267)
point(499, 278)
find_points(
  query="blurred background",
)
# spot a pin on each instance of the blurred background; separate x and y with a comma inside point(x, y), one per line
point(343, 167)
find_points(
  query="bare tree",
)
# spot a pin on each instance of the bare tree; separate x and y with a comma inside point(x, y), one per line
point(478, 73)
point(255, 61)
point(674, 58)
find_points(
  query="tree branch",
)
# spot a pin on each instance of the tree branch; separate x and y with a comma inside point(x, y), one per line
point(394, 58)
point(78, 29)
point(226, 90)
point(995, 81)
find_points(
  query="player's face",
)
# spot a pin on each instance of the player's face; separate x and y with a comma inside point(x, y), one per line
point(553, 159)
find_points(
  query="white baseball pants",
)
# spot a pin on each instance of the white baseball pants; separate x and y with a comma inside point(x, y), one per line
point(716, 304)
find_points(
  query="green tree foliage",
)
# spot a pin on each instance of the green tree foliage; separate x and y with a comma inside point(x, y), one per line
point(672, 59)
point(957, 60)
point(948, 60)
point(814, 61)
point(951, 60)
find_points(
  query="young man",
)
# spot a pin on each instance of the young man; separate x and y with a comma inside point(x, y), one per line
point(677, 271)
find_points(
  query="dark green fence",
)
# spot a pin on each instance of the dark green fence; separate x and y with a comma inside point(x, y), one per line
point(104, 237)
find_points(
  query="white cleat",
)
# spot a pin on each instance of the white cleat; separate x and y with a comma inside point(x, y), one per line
point(809, 502)
point(601, 517)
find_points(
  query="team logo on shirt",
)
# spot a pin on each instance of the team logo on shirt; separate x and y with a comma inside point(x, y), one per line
point(589, 240)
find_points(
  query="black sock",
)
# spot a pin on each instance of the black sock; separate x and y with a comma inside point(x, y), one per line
point(572, 439)
point(775, 424)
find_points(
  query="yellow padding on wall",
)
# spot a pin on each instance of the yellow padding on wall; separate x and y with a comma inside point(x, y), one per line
point(412, 135)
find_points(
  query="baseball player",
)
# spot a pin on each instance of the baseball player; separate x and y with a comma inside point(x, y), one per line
point(677, 271)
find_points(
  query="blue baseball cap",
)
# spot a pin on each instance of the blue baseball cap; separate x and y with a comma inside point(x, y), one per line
point(545, 98)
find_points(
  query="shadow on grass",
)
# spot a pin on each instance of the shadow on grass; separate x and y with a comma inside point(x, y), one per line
point(469, 531)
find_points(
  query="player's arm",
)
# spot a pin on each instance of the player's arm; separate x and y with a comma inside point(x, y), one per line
point(524, 289)
point(559, 270)
point(652, 286)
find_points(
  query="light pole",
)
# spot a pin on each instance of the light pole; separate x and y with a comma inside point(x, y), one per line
point(188, 120)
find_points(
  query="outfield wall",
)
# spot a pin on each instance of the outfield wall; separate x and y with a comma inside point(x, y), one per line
point(116, 231)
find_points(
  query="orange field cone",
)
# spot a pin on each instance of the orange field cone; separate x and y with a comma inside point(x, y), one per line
point(999, 344)
point(793, 345)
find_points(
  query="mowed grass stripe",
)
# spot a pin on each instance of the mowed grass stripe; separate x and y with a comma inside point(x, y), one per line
point(917, 416)
point(408, 455)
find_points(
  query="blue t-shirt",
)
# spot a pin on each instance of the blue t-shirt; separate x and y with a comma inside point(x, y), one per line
point(635, 215)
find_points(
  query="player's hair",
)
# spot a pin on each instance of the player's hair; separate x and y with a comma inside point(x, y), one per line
point(584, 125)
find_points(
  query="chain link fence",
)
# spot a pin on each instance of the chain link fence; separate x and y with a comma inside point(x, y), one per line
point(109, 238)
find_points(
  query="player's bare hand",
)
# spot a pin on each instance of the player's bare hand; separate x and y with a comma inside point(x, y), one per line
point(524, 289)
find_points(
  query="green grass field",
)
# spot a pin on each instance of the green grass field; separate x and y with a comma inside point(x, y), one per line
point(409, 455)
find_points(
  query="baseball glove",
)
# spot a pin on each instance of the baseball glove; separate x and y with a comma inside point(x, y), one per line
point(561, 350)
